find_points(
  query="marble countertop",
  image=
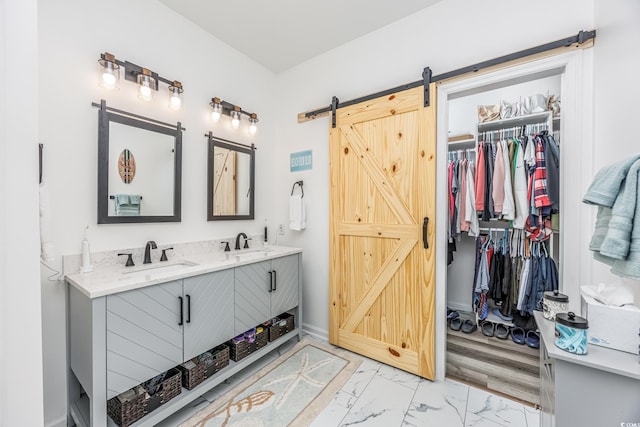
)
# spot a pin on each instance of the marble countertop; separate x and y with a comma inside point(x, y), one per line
point(605, 359)
point(111, 279)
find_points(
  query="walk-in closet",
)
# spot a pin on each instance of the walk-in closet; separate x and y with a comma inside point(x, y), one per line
point(503, 230)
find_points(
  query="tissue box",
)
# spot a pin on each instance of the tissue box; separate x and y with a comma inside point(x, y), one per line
point(613, 327)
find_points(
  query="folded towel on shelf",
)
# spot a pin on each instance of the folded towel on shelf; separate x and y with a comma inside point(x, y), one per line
point(127, 204)
point(297, 219)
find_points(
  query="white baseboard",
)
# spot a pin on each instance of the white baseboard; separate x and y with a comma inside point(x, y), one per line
point(315, 331)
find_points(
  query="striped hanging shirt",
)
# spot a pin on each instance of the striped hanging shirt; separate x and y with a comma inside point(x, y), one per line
point(541, 193)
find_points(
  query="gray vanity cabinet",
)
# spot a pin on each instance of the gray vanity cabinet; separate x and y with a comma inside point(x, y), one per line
point(264, 290)
point(144, 336)
point(152, 329)
point(123, 338)
point(208, 312)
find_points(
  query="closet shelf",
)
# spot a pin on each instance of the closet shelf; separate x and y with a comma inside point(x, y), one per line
point(515, 121)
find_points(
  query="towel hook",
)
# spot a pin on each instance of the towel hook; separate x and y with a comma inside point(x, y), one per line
point(294, 187)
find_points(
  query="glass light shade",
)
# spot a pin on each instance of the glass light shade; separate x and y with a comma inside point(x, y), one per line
point(216, 113)
point(235, 119)
point(175, 102)
point(253, 120)
point(147, 86)
point(109, 74)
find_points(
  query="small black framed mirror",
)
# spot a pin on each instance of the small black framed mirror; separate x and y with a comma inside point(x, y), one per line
point(139, 168)
point(230, 180)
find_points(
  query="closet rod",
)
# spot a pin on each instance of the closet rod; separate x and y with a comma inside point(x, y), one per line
point(580, 38)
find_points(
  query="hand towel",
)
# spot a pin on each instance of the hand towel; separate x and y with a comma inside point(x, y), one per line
point(127, 204)
point(297, 220)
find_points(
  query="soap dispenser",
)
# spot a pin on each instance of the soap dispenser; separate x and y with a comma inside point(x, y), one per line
point(86, 266)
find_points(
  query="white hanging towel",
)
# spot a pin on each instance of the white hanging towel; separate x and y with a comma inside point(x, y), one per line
point(297, 220)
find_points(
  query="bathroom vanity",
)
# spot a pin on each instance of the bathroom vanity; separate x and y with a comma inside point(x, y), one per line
point(128, 324)
point(600, 388)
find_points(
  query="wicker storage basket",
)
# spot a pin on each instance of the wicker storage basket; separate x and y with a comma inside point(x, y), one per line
point(242, 348)
point(280, 326)
point(130, 411)
point(196, 370)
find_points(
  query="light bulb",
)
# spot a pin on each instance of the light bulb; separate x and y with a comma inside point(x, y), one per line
point(215, 116)
point(175, 102)
point(235, 123)
point(108, 80)
point(145, 91)
point(235, 117)
point(253, 129)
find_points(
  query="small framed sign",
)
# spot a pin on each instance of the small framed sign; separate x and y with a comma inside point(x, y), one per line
point(301, 161)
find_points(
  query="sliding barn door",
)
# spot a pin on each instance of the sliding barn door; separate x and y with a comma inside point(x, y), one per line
point(383, 170)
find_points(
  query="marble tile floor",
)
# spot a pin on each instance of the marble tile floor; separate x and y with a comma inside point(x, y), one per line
point(379, 395)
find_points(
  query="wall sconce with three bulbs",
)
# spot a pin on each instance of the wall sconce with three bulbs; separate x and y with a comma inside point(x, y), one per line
point(220, 108)
point(147, 80)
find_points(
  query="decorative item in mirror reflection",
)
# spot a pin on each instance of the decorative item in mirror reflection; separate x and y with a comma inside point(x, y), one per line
point(157, 168)
point(231, 181)
point(126, 166)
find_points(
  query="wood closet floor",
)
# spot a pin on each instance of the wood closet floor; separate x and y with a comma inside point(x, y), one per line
point(497, 365)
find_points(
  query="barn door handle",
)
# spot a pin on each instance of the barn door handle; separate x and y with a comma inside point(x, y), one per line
point(425, 240)
point(188, 308)
point(271, 281)
point(181, 312)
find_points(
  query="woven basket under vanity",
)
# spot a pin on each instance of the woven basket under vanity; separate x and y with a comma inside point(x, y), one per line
point(243, 345)
point(280, 325)
point(197, 370)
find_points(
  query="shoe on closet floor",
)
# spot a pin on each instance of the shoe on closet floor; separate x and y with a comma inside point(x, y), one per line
point(533, 339)
point(452, 314)
point(455, 324)
point(517, 335)
point(498, 313)
point(488, 328)
point(468, 326)
point(502, 331)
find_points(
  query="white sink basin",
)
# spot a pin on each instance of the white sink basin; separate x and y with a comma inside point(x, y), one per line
point(250, 254)
point(157, 270)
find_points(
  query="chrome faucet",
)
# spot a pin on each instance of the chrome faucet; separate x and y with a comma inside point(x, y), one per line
point(147, 251)
point(246, 241)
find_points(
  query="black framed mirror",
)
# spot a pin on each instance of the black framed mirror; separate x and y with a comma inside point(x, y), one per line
point(139, 168)
point(230, 180)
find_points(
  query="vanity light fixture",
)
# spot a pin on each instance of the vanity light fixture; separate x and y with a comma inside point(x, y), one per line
point(109, 71)
point(146, 79)
point(253, 119)
point(235, 117)
point(216, 112)
point(220, 108)
point(147, 85)
point(175, 102)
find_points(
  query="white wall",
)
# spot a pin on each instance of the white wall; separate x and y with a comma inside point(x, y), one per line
point(616, 91)
point(20, 314)
point(72, 35)
point(440, 37)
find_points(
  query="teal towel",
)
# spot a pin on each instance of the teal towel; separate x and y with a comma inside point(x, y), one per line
point(127, 204)
point(605, 186)
point(616, 238)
